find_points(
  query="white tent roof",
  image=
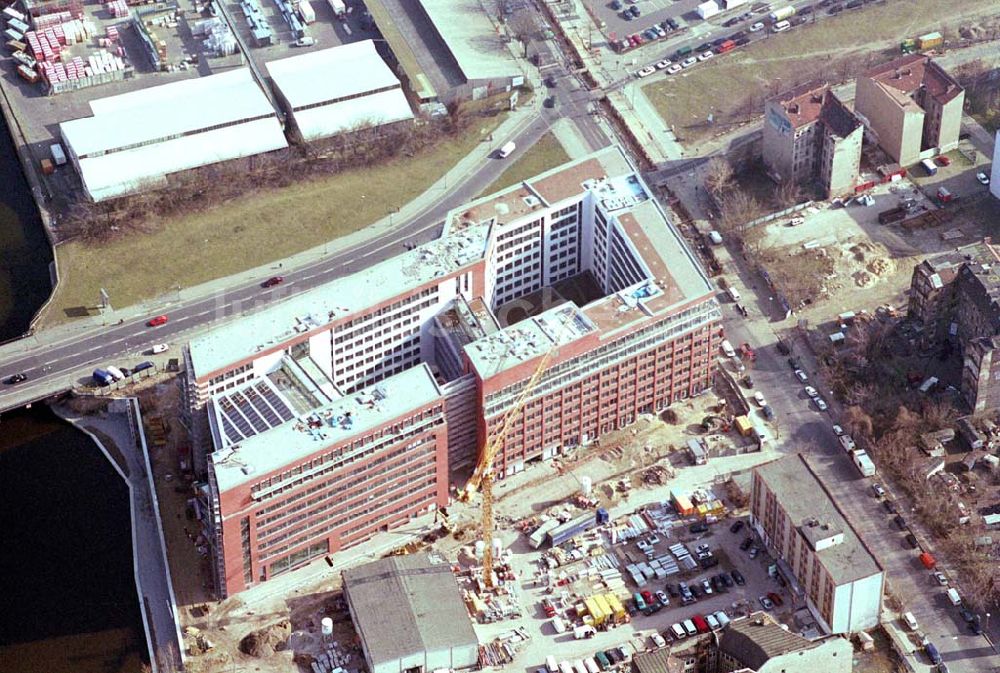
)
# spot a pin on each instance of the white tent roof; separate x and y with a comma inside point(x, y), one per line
point(167, 110)
point(119, 173)
point(327, 120)
point(331, 74)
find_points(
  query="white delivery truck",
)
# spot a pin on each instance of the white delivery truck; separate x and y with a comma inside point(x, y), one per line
point(306, 12)
point(728, 349)
point(863, 462)
point(58, 155)
point(115, 372)
point(506, 150)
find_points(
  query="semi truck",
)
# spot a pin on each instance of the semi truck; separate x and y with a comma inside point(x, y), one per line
point(339, 9)
point(863, 462)
point(782, 13)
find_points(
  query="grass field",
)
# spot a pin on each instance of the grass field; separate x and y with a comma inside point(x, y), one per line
point(265, 226)
point(547, 153)
point(781, 61)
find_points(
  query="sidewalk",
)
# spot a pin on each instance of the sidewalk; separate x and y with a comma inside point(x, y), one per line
point(152, 577)
point(516, 122)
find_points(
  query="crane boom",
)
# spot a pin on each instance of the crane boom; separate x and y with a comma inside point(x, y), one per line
point(482, 475)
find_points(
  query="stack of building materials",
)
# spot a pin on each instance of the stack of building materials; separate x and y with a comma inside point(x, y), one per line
point(332, 659)
point(257, 22)
point(99, 68)
point(219, 39)
point(118, 9)
point(47, 20)
point(683, 556)
point(290, 16)
point(42, 8)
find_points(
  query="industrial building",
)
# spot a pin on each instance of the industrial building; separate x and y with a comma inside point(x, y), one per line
point(811, 137)
point(956, 295)
point(135, 140)
point(487, 65)
point(344, 88)
point(762, 645)
point(825, 560)
point(409, 615)
point(912, 107)
point(577, 272)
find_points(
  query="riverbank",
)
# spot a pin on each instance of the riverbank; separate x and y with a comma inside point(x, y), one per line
point(39, 193)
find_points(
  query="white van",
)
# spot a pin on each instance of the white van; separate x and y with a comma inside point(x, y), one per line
point(910, 620)
point(733, 293)
point(551, 665)
point(728, 349)
point(506, 150)
point(115, 372)
point(689, 627)
point(781, 27)
point(954, 597)
point(678, 632)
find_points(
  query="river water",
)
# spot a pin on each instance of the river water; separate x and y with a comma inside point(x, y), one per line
point(66, 574)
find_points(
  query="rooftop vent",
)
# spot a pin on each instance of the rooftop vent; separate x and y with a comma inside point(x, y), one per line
point(532, 201)
point(817, 98)
point(793, 109)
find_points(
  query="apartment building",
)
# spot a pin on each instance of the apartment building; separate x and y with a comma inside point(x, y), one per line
point(956, 295)
point(825, 560)
point(811, 137)
point(912, 107)
point(577, 269)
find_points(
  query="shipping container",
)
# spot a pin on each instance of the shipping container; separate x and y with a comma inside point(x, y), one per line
point(708, 9)
point(58, 155)
point(617, 609)
point(682, 504)
point(930, 40)
point(928, 561)
point(595, 611)
point(743, 425)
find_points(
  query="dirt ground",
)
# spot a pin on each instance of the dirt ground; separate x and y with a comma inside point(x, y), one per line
point(640, 457)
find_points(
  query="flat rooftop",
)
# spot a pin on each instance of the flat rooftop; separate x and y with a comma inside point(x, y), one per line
point(340, 420)
point(529, 339)
point(472, 39)
point(804, 498)
point(426, 614)
point(317, 308)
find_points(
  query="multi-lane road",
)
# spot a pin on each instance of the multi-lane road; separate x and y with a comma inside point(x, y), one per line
point(52, 365)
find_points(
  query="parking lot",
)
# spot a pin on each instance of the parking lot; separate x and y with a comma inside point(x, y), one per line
point(713, 560)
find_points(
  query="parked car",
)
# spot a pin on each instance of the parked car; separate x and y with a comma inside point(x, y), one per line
point(811, 392)
point(159, 348)
point(820, 403)
point(736, 527)
point(983, 178)
point(776, 599)
point(704, 46)
point(706, 586)
point(801, 375)
point(645, 72)
point(765, 603)
point(658, 640)
point(697, 528)
point(889, 505)
point(899, 521)
point(754, 551)
point(940, 578)
point(837, 430)
point(757, 26)
point(688, 62)
point(662, 65)
point(674, 69)
point(704, 56)
point(662, 597)
point(738, 578)
point(758, 397)
point(747, 542)
point(911, 540)
point(878, 490)
point(672, 590)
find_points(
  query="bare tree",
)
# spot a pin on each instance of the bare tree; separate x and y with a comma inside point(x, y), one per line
point(857, 422)
point(736, 210)
point(788, 194)
point(718, 175)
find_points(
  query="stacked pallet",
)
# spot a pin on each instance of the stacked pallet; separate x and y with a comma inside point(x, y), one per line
point(117, 8)
point(44, 45)
point(47, 20)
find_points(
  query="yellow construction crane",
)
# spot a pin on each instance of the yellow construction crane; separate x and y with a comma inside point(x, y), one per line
point(482, 476)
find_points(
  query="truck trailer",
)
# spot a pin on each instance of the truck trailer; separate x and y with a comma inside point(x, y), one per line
point(782, 13)
point(339, 9)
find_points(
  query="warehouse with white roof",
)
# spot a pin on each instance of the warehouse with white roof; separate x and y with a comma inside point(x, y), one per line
point(344, 88)
point(134, 140)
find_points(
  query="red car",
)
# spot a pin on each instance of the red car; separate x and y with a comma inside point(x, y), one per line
point(775, 598)
point(700, 624)
point(157, 321)
point(272, 281)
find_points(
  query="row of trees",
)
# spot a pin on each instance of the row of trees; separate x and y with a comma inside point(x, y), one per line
point(203, 188)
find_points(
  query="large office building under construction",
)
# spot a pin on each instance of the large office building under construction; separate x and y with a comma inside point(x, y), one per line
point(341, 411)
